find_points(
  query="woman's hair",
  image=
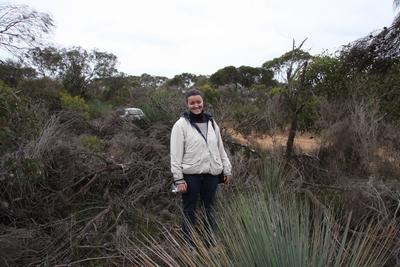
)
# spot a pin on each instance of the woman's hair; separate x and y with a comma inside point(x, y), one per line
point(192, 92)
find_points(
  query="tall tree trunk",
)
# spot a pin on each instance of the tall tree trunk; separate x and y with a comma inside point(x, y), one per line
point(296, 109)
point(292, 135)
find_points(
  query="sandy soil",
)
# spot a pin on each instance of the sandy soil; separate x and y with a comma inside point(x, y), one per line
point(303, 142)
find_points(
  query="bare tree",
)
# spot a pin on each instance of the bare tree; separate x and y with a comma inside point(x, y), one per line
point(22, 27)
point(292, 66)
point(396, 4)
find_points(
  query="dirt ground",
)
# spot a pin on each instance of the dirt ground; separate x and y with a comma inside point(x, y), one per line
point(305, 142)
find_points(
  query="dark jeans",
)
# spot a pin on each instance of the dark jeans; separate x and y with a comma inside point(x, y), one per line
point(204, 185)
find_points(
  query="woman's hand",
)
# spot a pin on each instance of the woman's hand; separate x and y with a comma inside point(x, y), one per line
point(228, 178)
point(182, 187)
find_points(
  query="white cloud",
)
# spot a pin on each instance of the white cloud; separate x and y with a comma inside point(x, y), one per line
point(200, 36)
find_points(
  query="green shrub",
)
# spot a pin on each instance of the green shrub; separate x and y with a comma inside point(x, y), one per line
point(277, 91)
point(99, 109)
point(211, 95)
point(26, 170)
point(92, 142)
point(44, 91)
point(243, 112)
point(74, 103)
point(163, 106)
point(20, 119)
point(308, 116)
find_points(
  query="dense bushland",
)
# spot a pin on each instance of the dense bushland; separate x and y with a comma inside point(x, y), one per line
point(82, 186)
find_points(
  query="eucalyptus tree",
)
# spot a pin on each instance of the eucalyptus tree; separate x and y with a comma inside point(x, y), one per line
point(226, 75)
point(182, 81)
point(255, 76)
point(11, 72)
point(75, 67)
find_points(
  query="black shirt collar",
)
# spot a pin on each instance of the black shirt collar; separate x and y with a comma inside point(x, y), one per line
point(197, 118)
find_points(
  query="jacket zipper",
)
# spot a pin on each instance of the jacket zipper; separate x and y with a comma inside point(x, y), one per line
point(198, 129)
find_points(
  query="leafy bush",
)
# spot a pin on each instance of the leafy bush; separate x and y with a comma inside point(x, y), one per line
point(163, 106)
point(26, 170)
point(92, 142)
point(44, 91)
point(277, 91)
point(74, 103)
point(210, 94)
point(20, 119)
point(98, 109)
point(246, 117)
point(309, 116)
point(388, 91)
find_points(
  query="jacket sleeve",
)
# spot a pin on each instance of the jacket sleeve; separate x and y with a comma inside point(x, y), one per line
point(177, 143)
point(224, 157)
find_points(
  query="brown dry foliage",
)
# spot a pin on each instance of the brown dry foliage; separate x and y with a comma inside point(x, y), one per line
point(356, 141)
point(84, 204)
point(74, 208)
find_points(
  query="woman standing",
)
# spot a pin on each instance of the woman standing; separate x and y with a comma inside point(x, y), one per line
point(197, 158)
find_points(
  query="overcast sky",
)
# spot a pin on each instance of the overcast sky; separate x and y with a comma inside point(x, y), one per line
point(168, 37)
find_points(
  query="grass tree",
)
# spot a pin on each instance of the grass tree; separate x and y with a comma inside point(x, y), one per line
point(271, 227)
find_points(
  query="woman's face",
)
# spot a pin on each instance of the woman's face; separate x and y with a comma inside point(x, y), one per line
point(195, 104)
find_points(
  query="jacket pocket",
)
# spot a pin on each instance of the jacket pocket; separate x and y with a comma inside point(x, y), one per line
point(190, 162)
point(218, 160)
point(190, 167)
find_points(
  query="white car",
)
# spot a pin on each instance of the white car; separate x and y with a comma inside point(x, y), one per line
point(133, 113)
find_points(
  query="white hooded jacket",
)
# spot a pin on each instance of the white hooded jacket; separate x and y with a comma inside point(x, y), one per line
point(192, 154)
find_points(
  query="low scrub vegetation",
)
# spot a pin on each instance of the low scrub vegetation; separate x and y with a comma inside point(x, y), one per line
point(82, 186)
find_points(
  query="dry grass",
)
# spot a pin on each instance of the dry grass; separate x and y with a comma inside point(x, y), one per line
point(306, 143)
